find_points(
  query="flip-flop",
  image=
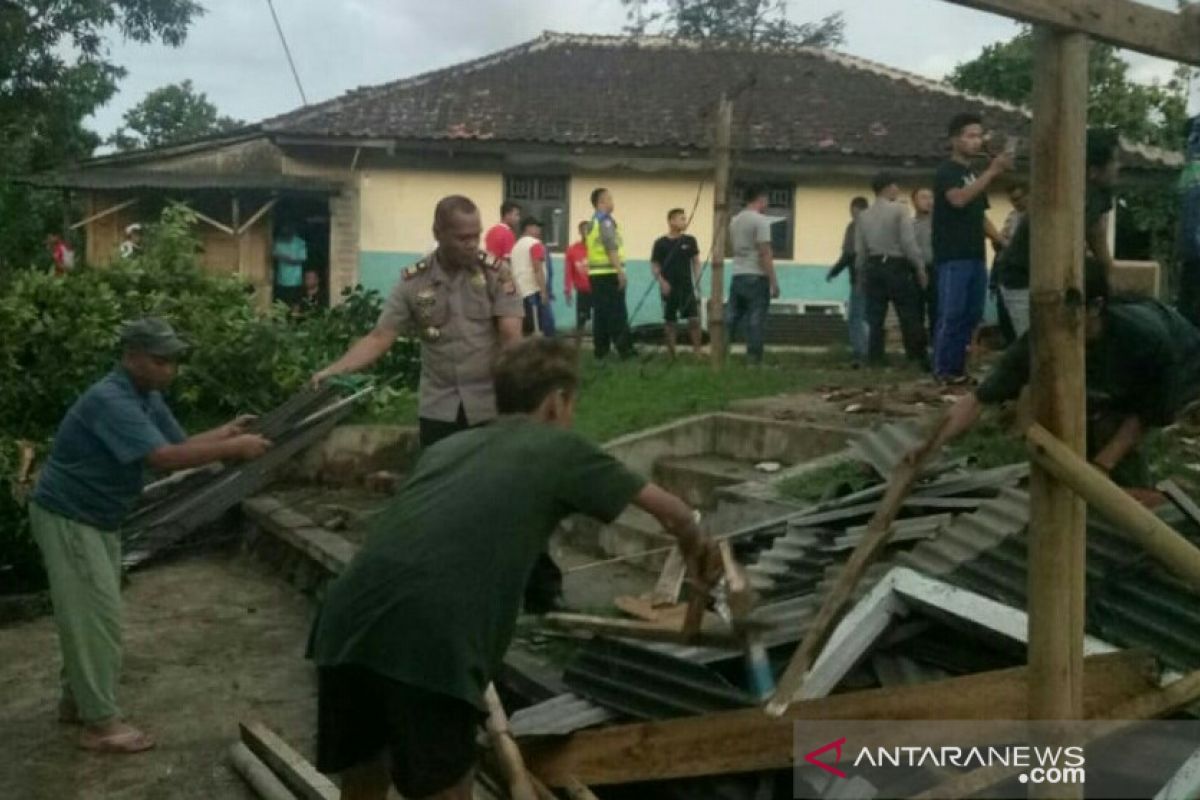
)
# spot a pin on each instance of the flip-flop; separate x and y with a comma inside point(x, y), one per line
point(127, 741)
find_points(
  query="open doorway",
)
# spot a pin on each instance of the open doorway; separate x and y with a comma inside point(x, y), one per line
point(300, 245)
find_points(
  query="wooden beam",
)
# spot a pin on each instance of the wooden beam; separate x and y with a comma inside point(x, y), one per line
point(647, 631)
point(834, 604)
point(1057, 536)
point(1124, 23)
point(256, 216)
point(716, 299)
point(265, 783)
point(749, 740)
point(1132, 519)
point(297, 774)
point(102, 214)
point(1151, 705)
point(221, 226)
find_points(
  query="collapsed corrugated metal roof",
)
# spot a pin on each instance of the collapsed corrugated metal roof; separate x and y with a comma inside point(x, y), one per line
point(172, 509)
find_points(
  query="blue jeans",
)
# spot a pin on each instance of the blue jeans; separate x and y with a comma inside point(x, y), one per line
point(749, 301)
point(962, 289)
point(856, 322)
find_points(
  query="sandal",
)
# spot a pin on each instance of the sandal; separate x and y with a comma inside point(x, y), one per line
point(125, 740)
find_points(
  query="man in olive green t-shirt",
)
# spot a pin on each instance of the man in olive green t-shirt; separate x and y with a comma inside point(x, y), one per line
point(412, 633)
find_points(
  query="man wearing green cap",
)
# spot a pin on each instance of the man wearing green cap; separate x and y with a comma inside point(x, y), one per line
point(116, 430)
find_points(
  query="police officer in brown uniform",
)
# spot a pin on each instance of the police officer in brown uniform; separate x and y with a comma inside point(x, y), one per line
point(464, 306)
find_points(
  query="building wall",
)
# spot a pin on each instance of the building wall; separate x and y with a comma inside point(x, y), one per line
point(396, 207)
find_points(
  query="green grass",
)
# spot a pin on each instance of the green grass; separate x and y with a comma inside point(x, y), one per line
point(817, 484)
point(617, 398)
point(990, 444)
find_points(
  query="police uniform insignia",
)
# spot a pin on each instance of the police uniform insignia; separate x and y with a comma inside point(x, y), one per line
point(477, 279)
point(431, 334)
point(426, 297)
point(411, 272)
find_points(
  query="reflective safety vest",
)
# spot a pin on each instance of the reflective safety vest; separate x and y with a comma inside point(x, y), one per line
point(598, 261)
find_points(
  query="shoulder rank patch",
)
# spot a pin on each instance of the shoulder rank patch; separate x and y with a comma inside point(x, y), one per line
point(408, 273)
point(505, 277)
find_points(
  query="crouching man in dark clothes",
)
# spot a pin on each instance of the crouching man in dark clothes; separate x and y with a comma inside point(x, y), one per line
point(412, 633)
point(1143, 368)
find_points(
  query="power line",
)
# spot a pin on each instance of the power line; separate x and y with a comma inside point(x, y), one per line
point(287, 51)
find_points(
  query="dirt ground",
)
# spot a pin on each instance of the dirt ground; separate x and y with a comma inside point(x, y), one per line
point(209, 640)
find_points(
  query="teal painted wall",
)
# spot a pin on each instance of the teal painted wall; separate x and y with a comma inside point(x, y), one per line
point(380, 270)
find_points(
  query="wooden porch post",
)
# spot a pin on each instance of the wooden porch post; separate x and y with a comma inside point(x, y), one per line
point(1057, 527)
point(716, 298)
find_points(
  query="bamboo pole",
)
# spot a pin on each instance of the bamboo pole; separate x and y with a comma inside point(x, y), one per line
point(716, 299)
point(1132, 519)
point(1057, 516)
point(520, 783)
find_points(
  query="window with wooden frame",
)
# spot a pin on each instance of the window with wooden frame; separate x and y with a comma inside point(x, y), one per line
point(544, 197)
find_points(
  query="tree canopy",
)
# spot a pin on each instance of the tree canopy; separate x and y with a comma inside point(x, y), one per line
point(172, 113)
point(762, 22)
point(56, 70)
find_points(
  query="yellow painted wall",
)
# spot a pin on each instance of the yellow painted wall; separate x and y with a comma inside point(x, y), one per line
point(823, 209)
point(642, 203)
point(397, 205)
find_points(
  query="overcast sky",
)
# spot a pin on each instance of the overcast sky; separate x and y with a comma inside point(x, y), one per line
point(233, 53)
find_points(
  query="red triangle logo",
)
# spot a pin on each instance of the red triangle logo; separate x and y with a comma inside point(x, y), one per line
point(814, 757)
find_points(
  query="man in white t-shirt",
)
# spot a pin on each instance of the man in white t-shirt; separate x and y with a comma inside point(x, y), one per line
point(528, 260)
point(754, 282)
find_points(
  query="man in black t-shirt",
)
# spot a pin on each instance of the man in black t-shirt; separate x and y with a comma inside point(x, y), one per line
point(675, 261)
point(960, 224)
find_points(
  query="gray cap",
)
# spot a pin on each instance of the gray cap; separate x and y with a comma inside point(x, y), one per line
point(153, 335)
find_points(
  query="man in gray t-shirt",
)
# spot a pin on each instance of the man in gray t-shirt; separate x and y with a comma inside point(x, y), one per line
point(754, 283)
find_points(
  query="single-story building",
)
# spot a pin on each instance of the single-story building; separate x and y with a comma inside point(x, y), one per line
point(544, 123)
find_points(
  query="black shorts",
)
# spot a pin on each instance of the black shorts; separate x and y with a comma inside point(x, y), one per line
point(429, 737)
point(680, 303)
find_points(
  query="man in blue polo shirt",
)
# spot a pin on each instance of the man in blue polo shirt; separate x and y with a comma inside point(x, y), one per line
point(115, 431)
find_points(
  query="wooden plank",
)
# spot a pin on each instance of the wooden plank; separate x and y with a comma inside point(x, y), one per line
point(297, 774)
point(644, 631)
point(1057, 529)
point(834, 604)
point(1124, 23)
point(256, 216)
point(520, 787)
point(1132, 519)
point(749, 740)
point(670, 581)
point(260, 778)
point(102, 214)
point(716, 299)
point(1151, 705)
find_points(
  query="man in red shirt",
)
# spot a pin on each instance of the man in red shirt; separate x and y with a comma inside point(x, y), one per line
point(575, 280)
point(501, 237)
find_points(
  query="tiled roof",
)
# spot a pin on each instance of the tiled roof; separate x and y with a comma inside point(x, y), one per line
point(657, 93)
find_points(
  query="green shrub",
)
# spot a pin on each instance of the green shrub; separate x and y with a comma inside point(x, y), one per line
point(60, 334)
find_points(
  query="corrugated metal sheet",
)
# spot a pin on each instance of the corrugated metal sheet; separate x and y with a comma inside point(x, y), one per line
point(1131, 601)
point(884, 446)
point(645, 684)
point(559, 716)
point(168, 515)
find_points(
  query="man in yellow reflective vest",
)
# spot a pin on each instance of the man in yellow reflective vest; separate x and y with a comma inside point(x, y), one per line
point(606, 271)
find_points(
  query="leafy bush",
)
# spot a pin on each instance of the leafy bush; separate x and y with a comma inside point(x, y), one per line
point(59, 335)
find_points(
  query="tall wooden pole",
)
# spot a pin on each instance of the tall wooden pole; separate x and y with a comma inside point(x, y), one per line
point(1058, 516)
point(716, 297)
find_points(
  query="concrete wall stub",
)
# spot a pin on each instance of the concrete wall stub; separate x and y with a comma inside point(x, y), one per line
point(749, 438)
point(352, 452)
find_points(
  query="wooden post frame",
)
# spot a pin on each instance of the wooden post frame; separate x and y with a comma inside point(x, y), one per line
point(717, 335)
point(1057, 535)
